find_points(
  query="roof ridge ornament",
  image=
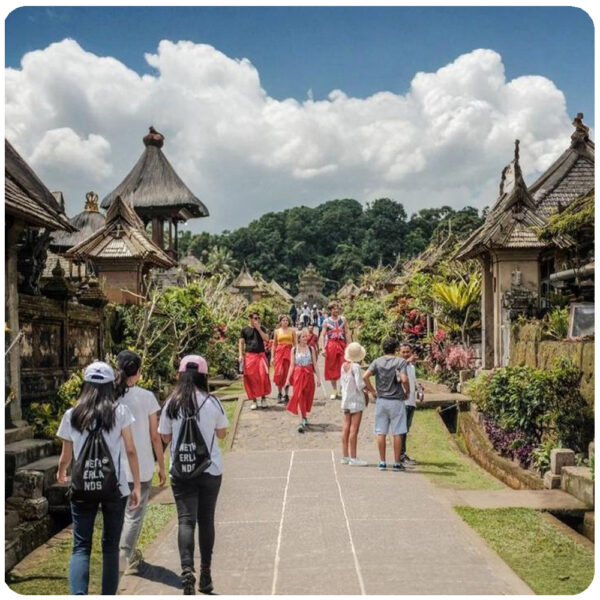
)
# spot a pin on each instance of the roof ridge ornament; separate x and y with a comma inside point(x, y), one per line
point(91, 202)
point(154, 138)
point(581, 133)
point(510, 173)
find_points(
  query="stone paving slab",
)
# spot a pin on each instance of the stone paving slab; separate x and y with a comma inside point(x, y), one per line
point(334, 530)
point(550, 500)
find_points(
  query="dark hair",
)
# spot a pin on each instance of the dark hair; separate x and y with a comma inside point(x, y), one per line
point(253, 314)
point(96, 404)
point(128, 364)
point(389, 345)
point(183, 398)
point(406, 345)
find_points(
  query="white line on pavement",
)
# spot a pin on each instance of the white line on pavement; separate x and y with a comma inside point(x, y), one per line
point(277, 557)
point(356, 565)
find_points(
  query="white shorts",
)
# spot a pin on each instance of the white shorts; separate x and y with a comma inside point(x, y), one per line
point(390, 417)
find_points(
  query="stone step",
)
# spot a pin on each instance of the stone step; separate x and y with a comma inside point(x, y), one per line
point(588, 525)
point(578, 482)
point(11, 522)
point(57, 495)
point(17, 434)
point(46, 466)
point(21, 453)
point(29, 535)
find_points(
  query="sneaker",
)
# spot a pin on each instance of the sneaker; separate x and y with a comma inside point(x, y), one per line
point(206, 584)
point(345, 460)
point(333, 396)
point(305, 422)
point(398, 467)
point(254, 406)
point(286, 399)
point(301, 428)
point(408, 461)
point(357, 462)
point(135, 563)
point(280, 399)
point(382, 466)
point(263, 402)
point(188, 581)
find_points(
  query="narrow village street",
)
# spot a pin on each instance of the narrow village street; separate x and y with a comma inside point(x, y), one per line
point(292, 520)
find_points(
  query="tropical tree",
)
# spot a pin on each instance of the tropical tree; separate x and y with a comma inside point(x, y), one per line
point(220, 261)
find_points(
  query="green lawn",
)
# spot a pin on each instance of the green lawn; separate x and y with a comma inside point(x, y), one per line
point(49, 576)
point(434, 448)
point(545, 558)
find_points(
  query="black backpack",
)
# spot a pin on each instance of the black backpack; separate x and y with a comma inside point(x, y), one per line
point(191, 456)
point(93, 476)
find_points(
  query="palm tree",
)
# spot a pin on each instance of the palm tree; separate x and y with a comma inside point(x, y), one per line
point(220, 261)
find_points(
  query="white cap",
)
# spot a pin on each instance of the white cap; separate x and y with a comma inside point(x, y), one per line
point(99, 372)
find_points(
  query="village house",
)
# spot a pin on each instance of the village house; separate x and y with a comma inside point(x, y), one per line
point(523, 262)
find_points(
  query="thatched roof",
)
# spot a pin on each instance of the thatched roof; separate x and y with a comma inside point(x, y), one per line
point(153, 185)
point(27, 198)
point(244, 279)
point(122, 237)
point(512, 221)
point(280, 291)
point(87, 222)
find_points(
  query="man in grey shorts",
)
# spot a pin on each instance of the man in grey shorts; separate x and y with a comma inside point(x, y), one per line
point(392, 385)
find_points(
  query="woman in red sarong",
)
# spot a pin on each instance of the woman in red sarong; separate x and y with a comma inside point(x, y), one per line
point(257, 381)
point(284, 341)
point(302, 375)
point(334, 338)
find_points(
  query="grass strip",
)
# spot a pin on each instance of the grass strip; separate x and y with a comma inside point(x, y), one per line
point(547, 560)
point(433, 447)
point(49, 576)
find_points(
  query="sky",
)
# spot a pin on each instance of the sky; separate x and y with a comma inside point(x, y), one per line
point(267, 108)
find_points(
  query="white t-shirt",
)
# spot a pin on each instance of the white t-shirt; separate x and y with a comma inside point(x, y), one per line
point(412, 380)
point(211, 417)
point(352, 384)
point(142, 403)
point(123, 418)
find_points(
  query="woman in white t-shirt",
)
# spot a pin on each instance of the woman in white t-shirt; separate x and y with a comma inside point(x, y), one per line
point(196, 499)
point(96, 407)
point(354, 401)
point(144, 408)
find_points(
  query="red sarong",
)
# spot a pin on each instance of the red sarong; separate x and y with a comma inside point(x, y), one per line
point(283, 354)
point(303, 380)
point(334, 359)
point(257, 382)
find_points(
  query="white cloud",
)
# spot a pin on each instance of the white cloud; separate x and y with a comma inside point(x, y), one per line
point(79, 118)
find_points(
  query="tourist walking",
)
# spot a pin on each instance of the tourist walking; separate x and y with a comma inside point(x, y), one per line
point(284, 340)
point(354, 401)
point(144, 407)
point(409, 355)
point(391, 382)
point(315, 317)
point(97, 439)
point(190, 422)
point(302, 376)
point(334, 337)
point(322, 317)
point(252, 355)
point(293, 315)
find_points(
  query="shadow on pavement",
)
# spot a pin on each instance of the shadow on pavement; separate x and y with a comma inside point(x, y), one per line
point(160, 574)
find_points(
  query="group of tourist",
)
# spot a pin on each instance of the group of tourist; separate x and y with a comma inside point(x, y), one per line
point(111, 441)
point(113, 437)
point(294, 357)
point(305, 316)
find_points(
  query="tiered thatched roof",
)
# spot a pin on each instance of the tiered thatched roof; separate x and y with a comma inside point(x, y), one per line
point(153, 186)
point(27, 198)
point(244, 280)
point(122, 237)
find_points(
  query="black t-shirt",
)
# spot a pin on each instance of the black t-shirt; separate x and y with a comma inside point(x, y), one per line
point(254, 343)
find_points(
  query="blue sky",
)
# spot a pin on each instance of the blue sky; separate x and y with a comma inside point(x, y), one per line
point(359, 50)
point(421, 105)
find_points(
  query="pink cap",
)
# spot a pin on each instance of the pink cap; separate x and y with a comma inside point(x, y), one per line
point(193, 359)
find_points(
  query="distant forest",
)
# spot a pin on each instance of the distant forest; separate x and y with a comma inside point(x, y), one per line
point(340, 237)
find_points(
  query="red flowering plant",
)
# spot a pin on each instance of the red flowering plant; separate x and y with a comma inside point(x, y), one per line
point(446, 359)
point(408, 321)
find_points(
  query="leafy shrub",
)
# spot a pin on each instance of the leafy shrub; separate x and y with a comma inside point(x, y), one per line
point(543, 408)
point(370, 323)
point(556, 323)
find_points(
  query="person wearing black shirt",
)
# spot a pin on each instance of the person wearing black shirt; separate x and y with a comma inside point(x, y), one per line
point(257, 382)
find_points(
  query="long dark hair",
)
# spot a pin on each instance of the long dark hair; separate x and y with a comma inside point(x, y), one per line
point(128, 364)
point(182, 400)
point(96, 405)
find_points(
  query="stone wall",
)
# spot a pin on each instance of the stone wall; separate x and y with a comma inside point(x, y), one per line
point(528, 348)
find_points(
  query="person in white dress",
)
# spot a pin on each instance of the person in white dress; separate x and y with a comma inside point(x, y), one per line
point(354, 402)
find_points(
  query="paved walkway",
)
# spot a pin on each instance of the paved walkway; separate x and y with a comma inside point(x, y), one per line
point(292, 520)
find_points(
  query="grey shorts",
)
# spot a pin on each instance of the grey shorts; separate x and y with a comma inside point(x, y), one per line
point(390, 417)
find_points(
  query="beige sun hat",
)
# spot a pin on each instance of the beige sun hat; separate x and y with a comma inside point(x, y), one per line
point(354, 352)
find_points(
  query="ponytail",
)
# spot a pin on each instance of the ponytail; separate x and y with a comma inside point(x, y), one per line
point(128, 364)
